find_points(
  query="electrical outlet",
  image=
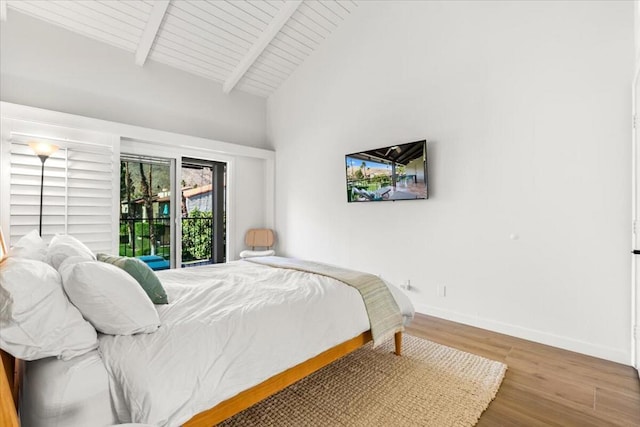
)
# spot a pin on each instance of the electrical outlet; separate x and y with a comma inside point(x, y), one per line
point(442, 291)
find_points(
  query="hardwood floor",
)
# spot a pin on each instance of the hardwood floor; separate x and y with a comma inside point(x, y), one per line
point(543, 385)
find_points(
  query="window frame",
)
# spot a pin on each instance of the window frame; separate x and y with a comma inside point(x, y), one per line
point(176, 154)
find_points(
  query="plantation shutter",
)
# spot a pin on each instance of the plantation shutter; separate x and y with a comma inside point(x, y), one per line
point(80, 186)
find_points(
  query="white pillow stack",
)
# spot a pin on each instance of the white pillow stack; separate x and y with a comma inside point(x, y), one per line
point(65, 246)
point(108, 297)
point(36, 318)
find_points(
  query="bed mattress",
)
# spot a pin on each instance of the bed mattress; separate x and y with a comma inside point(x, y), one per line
point(57, 393)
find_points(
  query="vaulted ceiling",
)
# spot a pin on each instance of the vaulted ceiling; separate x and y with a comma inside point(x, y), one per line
point(252, 46)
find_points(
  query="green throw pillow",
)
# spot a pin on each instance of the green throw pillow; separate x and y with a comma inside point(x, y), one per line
point(142, 273)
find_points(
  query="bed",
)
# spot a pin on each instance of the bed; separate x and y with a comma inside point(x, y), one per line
point(244, 348)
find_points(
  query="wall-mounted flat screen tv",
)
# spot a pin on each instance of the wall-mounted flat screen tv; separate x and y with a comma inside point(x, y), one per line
point(398, 172)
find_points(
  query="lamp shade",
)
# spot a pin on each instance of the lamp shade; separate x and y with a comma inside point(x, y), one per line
point(43, 149)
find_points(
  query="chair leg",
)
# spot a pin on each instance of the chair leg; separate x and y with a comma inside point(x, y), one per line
point(398, 341)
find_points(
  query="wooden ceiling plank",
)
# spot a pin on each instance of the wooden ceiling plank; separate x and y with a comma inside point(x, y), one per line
point(276, 5)
point(265, 38)
point(185, 12)
point(284, 53)
point(277, 61)
point(235, 8)
point(255, 83)
point(266, 8)
point(292, 38)
point(294, 29)
point(203, 12)
point(294, 48)
point(344, 6)
point(316, 16)
point(263, 78)
point(324, 12)
point(235, 17)
point(261, 65)
point(190, 68)
point(311, 24)
point(269, 73)
point(178, 26)
point(188, 45)
point(258, 67)
point(190, 55)
point(191, 60)
point(329, 6)
point(296, 22)
point(133, 8)
point(140, 5)
point(151, 30)
point(116, 11)
point(50, 13)
point(243, 86)
point(83, 12)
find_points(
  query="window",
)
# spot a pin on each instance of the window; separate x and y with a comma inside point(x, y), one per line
point(147, 213)
point(78, 191)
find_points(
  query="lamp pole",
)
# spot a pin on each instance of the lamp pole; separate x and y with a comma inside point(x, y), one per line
point(43, 150)
point(43, 159)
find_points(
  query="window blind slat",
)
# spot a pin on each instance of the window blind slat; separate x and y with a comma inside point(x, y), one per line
point(33, 190)
point(34, 200)
point(35, 210)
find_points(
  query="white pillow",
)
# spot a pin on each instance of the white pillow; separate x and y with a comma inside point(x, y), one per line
point(65, 246)
point(250, 254)
point(30, 246)
point(109, 298)
point(36, 318)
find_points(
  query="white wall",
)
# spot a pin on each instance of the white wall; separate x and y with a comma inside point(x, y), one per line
point(526, 106)
point(45, 66)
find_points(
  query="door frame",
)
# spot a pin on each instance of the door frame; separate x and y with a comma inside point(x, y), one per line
point(635, 235)
point(635, 232)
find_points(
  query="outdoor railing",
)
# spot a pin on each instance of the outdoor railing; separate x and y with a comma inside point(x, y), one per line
point(197, 232)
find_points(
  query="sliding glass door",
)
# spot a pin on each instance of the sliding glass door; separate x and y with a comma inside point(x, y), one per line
point(150, 210)
point(203, 200)
point(146, 226)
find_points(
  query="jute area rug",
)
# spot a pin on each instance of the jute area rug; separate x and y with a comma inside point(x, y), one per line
point(429, 385)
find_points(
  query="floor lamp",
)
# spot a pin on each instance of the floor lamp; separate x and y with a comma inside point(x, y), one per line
point(43, 150)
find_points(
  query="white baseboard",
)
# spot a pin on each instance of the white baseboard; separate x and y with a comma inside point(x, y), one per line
point(608, 353)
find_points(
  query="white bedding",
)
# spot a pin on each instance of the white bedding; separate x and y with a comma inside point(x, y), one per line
point(227, 328)
point(231, 325)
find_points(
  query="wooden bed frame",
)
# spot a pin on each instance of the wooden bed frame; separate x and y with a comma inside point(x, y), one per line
point(10, 377)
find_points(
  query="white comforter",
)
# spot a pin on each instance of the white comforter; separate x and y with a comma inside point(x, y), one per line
point(227, 328)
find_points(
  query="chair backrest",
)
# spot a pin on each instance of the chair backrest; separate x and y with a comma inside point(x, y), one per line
point(259, 237)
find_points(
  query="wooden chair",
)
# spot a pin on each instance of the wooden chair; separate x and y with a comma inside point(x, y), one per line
point(258, 238)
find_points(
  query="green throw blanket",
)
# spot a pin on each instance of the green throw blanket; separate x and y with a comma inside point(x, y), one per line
point(383, 311)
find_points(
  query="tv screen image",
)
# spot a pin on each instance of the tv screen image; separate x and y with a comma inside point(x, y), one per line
point(397, 172)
